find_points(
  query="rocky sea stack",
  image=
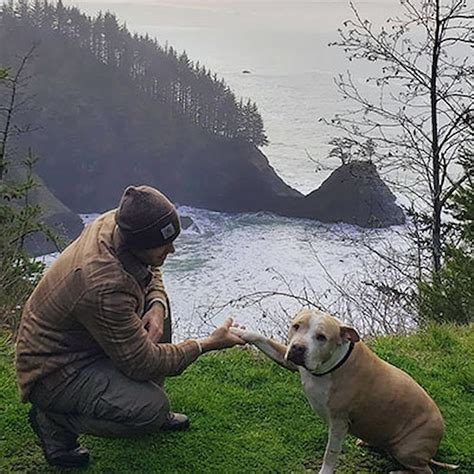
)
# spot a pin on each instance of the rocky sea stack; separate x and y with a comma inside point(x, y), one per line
point(355, 194)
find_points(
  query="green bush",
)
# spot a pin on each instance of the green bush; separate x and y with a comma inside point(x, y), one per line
point(18, 218)
point(449, 295)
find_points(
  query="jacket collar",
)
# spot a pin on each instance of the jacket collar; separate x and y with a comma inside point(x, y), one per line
point(130, 262)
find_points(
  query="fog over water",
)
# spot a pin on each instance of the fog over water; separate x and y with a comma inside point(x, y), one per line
point(284, 46)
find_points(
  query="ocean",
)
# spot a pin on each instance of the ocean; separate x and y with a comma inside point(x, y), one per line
point(223, 257)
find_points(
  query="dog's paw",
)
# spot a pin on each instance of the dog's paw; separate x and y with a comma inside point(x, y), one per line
point(326, 470)
point(246, 335)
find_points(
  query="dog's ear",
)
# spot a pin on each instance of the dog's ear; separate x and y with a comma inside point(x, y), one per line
point(349, 334)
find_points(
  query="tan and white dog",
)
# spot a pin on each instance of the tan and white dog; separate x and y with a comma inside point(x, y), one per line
point(356, 392)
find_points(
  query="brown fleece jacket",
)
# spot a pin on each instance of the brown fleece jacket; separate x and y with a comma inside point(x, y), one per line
point(89, 305)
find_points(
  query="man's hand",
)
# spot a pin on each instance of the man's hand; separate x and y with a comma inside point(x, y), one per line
point(153, 322)
point(221, 338)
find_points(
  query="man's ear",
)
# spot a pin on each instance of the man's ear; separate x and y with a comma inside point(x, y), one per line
point(349, 334)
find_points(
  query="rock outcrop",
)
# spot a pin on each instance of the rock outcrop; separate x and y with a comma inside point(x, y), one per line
point(354, 194)
point(64, 223)
point(224, 175)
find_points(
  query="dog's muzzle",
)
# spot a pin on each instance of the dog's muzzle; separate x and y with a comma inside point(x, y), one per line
point(296, 354)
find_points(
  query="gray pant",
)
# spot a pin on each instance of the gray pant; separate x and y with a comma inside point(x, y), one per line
point(101, 401)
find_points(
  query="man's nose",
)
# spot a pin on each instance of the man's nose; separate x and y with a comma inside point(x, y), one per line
point(297, 353)
point(171, 248)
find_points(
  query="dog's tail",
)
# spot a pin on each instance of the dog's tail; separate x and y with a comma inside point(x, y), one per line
point(449, 467)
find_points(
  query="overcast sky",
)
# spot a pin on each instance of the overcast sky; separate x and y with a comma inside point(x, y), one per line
point(276, 15)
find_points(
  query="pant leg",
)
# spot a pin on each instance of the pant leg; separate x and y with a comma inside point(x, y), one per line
point(102, 401)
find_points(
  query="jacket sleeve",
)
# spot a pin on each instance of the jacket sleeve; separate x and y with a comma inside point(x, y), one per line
point(109, 314)
point(156, 292)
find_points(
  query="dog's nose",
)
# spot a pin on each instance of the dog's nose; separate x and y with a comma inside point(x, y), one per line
point(296, 354)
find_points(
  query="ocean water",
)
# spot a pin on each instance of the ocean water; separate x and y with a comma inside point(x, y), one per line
point(250, 267)
point(222, 257)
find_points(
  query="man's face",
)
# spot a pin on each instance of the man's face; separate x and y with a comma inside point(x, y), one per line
point(156, 256)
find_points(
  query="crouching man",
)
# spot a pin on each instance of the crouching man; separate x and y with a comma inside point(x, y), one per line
point(94, 343)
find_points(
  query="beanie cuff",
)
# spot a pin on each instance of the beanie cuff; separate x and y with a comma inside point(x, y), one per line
point(159, 233)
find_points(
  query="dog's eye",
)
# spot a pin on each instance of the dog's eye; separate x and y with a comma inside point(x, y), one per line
point(296, 327)
point(321, 337)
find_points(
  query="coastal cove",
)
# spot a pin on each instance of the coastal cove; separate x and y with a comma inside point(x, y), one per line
point(215, 263)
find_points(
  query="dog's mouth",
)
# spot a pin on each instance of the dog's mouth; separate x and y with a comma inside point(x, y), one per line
point(296, 354)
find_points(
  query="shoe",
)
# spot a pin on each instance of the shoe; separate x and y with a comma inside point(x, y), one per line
point(73, 458)
point(175, 422)
point(60, 448)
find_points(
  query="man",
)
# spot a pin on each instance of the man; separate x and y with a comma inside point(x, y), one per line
point(94, 343)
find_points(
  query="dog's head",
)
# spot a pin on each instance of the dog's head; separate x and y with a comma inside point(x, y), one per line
point(314, 337)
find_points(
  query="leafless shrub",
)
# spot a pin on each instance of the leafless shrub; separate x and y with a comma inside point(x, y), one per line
point(379, 297)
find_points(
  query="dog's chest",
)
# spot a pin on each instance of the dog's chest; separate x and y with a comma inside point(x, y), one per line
point(317, 391)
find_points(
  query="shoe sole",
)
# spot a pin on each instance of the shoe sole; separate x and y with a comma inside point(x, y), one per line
point(67, 464)
point(181, 427)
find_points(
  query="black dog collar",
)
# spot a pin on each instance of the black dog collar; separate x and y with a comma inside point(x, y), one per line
point(341, 362)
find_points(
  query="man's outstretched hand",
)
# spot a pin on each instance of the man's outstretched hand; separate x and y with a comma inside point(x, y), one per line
point(221, 338)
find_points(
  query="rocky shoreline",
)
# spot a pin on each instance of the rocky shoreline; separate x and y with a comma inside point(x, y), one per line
point(354, 194)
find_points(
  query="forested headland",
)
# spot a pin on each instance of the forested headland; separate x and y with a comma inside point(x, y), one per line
point(106, 108)
point(180, 86)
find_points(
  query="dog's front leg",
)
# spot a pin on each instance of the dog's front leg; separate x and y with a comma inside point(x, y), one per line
point(337, 432)
point(269, 347)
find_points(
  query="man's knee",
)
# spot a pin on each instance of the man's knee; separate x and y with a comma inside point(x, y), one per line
point(102, 393)
point(151, 410)
point(138, 404)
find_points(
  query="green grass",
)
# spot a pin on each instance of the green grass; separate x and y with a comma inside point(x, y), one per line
point(249, 415)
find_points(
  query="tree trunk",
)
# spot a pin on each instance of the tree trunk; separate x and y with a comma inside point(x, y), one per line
point(436, 193)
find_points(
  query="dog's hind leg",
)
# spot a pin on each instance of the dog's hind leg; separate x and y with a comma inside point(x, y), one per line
point(337, 432)
point(414, 457)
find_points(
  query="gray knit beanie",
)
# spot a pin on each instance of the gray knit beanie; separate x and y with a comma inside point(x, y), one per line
point(146, 218)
